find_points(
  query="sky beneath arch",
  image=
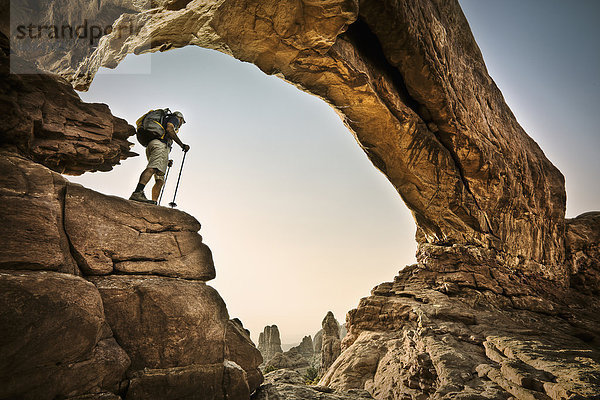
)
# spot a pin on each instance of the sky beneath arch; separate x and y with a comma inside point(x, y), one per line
point(298, 219)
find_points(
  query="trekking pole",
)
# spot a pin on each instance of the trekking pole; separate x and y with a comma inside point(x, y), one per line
point(164, 184)
point(173, 204)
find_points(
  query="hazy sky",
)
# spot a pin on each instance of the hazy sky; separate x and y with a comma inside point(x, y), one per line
point(298, 219)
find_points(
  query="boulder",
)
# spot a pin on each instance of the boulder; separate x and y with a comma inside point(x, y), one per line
point(240, 349)
point(31, 232)
point(134, 238)
point(583, 252)
point(164, 322)
point(173, 336)
point(54, 339)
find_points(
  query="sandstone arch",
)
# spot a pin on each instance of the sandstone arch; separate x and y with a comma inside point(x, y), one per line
point(408, 80)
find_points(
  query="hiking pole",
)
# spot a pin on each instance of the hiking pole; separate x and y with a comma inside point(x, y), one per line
point(173, 204)
point(164, 184)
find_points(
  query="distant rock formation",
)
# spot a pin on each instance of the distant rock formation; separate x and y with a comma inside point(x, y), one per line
point(299, 358)
point(289, 385)
point(102, 296)
point(269, 342)
point(331, 343)
point(305, 348)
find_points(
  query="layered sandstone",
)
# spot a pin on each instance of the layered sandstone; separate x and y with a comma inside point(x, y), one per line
point(46, 120)
point(106, 297)
point(460, 324)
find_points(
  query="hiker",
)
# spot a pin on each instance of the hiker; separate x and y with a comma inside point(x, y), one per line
point(157, 130)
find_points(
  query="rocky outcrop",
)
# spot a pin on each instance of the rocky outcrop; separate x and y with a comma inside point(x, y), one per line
point(103, 297)
point(269, 342)
point(460, 324)
point(289, 385)
point(299, 358)
point(583, 250)
point(150, 242)
point(331, 343)
point(47, 121)
point(305, 348)
point(409, 82)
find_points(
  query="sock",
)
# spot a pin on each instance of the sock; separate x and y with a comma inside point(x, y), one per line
point(139, 187)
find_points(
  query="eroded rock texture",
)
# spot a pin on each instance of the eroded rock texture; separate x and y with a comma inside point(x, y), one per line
point(269, 342)
point(93, 301)
point(299, 358)
point(289, 385)
point(407, 79)
point(460, 325)
point(47, 121)
point(331, 343)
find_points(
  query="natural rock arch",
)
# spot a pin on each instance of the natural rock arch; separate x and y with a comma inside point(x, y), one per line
point(407, 79)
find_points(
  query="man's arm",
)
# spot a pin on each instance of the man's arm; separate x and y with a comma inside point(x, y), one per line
point(173, 135)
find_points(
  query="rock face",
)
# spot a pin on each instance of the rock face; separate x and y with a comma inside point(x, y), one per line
point(331, 343)
point(289, 385)
point(459, 325)
point(90, 306)
point(409, 82)
point(583, 250)
point(47, 121)
point(269, 342)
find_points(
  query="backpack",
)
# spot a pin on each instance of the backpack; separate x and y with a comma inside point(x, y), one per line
point(150, 126)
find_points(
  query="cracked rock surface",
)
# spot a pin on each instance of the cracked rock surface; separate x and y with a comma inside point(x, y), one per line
point(102, 297)
point(459, 325)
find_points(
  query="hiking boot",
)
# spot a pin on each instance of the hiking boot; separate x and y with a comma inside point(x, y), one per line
point(139, 196)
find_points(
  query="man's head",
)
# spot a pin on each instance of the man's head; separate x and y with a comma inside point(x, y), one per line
point(179, 115)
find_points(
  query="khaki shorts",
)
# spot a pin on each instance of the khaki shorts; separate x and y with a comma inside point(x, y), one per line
point(157, 153)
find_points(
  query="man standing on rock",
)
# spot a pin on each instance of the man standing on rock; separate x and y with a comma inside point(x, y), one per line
point(157, 153)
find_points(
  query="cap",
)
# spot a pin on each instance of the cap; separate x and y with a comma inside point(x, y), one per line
point(180, 115)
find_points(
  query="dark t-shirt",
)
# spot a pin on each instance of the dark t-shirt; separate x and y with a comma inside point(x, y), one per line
point(173, 120)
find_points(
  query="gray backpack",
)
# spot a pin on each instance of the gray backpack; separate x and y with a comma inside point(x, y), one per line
point(152, 126)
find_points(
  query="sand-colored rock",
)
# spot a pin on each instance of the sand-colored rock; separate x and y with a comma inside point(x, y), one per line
point(164, 322)
point(460, 324)
point(241, 350)
point(583, 250)
point(31, 231)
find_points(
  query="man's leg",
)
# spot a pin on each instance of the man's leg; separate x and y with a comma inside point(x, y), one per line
point(138, 194)
point(158, 184)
